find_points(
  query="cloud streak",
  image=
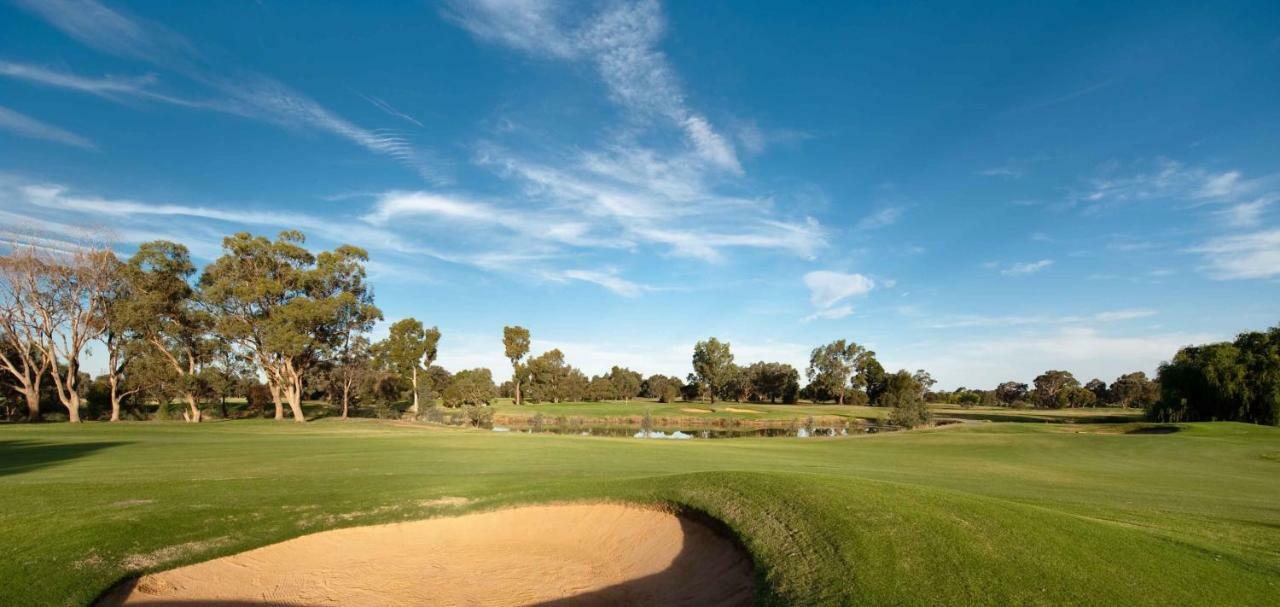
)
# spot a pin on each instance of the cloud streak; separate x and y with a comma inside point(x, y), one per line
point(26, 126)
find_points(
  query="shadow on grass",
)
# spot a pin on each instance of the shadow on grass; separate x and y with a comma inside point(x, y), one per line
point(21, 456)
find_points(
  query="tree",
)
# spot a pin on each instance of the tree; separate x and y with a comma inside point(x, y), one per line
point(1099, 390)
point(162, 309)
point(409, 349)
point(831, 368)
point(551, 379)
point(925, 381)
point(352, 367)
point(470, 387)
point(1238, 381)
point(515, 342)
point(625, 383)
point(872, 377)
point(772, 381)
point(1133, 390)
point(713, 365)
point(287, 307)
point(665, 389)
point(600, 388)
point(56, 305)
point(1011, 392)
point(904, 395)
point(1051, 388)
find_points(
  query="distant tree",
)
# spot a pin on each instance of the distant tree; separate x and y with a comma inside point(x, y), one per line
point(665, 389)
point(549, 378)
point(470, 387)
point(600, 388)
point(1011, 392)
point(228, 374)
point(1134, 390)
point(692, 389)
point(1052, 389)
point(713, 366)
point(515, 342)
point(1099, 389)
point(438, 378)
point(772, 381)
point(925, 381)
point(872, 378)
point(904, 396)
point(409, 349)
point(625, 383)
point(353, 366)
point(832, 367)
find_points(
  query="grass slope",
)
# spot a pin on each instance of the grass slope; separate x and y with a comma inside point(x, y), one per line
point(989, 513)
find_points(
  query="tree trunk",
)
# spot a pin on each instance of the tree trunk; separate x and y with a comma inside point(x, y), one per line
point(222, 404)
point(414, 408)
point(275, 397)
point(293, 392)
point(840, 401)
point(194, 416)
point(346, 399)
point(73, 408)
point(515, 379)
point(32, 394)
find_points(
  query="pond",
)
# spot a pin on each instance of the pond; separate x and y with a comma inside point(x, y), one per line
point(700, 433)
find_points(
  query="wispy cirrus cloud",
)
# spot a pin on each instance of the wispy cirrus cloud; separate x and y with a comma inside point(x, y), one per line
point(620, 40)
point(26, 126)
point(1242, 256)
point(965, 321)
point(246, 94)
point(1024, 268)
point(880, 219)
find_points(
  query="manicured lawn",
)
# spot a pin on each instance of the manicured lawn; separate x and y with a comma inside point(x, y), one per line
point(986, 513)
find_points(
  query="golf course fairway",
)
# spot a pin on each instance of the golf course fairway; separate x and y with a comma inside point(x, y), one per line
point(979, 513)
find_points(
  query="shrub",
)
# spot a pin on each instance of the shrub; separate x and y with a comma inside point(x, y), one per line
point(480, 416)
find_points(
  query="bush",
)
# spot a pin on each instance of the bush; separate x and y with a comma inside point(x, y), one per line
point(480, 416)
point(258, 397)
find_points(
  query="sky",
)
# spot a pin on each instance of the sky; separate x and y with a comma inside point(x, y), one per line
point(984, 191)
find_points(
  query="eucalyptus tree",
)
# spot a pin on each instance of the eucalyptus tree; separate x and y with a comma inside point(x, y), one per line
point(163, 309)
point(23, 363)
point(409, 350)
point(1053, 388)
point(56, 304)
point(285, 306)
point(352, 367)
point(832, 367)
point(515, 342)
point(713, 365)
point(625, 383)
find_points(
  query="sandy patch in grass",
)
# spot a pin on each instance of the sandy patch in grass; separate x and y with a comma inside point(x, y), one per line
point(737, 410)
point(694, 410)
point(577, 554)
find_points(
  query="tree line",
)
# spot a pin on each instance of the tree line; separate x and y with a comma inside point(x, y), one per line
point(274, 323)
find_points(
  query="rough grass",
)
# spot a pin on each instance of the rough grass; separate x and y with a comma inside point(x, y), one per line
point(989, 513)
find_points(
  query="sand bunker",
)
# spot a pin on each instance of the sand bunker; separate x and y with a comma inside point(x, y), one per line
point(737, 410)
point(578, 554)
point(695, 410)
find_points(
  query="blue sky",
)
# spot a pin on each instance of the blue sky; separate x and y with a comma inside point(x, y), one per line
point(984, 191)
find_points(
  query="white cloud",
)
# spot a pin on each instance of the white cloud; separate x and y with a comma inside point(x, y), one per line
point(26, 126)
point(1253, 255)
point(972, 320)
point(1248, 214)
point(880, 219)
point(245, 94)
point(621, 41)
point(1026, 267)
point(1085, 351)
point(608, 280)
point(828, 289)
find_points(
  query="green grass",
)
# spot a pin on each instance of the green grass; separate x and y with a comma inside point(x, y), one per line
point(693, 412)
point(1045, 514)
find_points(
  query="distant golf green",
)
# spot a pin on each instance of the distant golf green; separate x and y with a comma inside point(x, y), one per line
point(1003, 513)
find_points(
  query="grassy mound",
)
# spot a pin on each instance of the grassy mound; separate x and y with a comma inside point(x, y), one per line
point(990, 513)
